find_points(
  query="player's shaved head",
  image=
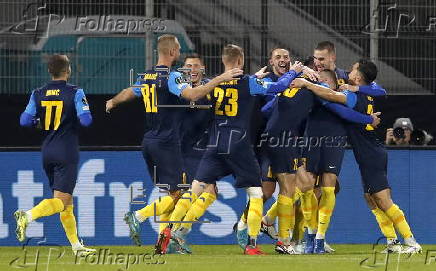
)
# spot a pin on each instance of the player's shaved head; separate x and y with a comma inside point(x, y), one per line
point(329, 77)
point(166, 43)
point(232, 53)
point(58, 65)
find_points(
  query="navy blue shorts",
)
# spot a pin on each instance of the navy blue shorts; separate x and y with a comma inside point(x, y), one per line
point(372, 158)
point(164, 159)
point(61, 176)
point(284, 159)
point(265, 165)
point(324, 159)
point(239, 160)
point(60, 162)
point(374, 174)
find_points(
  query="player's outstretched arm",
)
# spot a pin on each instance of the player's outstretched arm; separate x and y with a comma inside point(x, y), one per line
point(351, 115)
point(125, 95)
point(321, 91)
point(193, 94)
point(372, 89)
point(264, 87)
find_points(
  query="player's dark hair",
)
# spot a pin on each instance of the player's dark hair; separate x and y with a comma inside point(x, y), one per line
point(276, 48)
point(368, 70)
point(231, 52)
point(58, 64)
point(332, 75)
point(194, 55)
point(326, 45)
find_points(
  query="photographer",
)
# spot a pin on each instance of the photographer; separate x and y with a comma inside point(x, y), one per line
point(403, 134)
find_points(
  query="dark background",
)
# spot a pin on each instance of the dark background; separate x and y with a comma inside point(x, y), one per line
point(125, 125)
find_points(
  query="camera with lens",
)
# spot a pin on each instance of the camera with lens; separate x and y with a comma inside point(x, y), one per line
point(399, 133)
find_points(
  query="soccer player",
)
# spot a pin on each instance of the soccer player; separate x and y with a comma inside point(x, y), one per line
point(324, 154)
point(161, 91)
point(230, 148)
point(194, 127)
point(370, 154)
point(58, 108)
point(279, 63)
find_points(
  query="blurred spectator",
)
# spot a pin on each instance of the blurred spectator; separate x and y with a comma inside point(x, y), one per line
point(402, 133)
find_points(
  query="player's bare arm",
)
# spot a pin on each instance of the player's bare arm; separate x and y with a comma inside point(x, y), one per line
point(321, 91)
point(196, 93)
point(125, 95)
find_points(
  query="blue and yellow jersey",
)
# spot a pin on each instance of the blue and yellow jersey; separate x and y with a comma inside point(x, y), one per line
point(160, 90)
point(290, 111)
point(58, 106)
point(234, 101)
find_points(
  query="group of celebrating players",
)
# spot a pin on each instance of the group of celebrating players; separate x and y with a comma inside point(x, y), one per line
point(289, 126)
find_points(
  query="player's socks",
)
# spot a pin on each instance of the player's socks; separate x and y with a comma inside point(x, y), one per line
point(162, 205)
point(68, 221)
point(326, 207)
point(308, 205)
point(397, 217)
point(298, 229)
point(198, 208)
point(166, 217)
point(385, 224)
point(254, 217)
point(271, 215)
point(183, 205)
point(285, 213)
point(298, 194)
point(46, 207)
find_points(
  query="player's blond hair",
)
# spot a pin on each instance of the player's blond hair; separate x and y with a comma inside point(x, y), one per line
point(231, 53)
point(165, 43)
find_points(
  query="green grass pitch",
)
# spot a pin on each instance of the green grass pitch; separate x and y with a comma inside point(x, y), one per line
point(213, 257)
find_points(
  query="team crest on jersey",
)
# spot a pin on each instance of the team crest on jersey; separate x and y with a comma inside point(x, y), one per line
point(259, 81)
point(85, 104)
point(183, 79)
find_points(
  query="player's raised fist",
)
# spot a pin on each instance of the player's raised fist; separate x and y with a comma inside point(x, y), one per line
point(311, 74)
point(261, 73)
point(375, 119)
point(230, 74)
point(297, 67)
point(109, 105)
point(348, 87)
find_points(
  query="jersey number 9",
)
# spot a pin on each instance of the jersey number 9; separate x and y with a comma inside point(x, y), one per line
point(231, 108)
point(58, 105)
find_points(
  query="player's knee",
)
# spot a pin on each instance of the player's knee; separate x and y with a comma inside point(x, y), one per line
point(198, 187)
point(370, 201)
point(329, 179)
point(254, 192)
point(268, 189)
point(210, 188)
